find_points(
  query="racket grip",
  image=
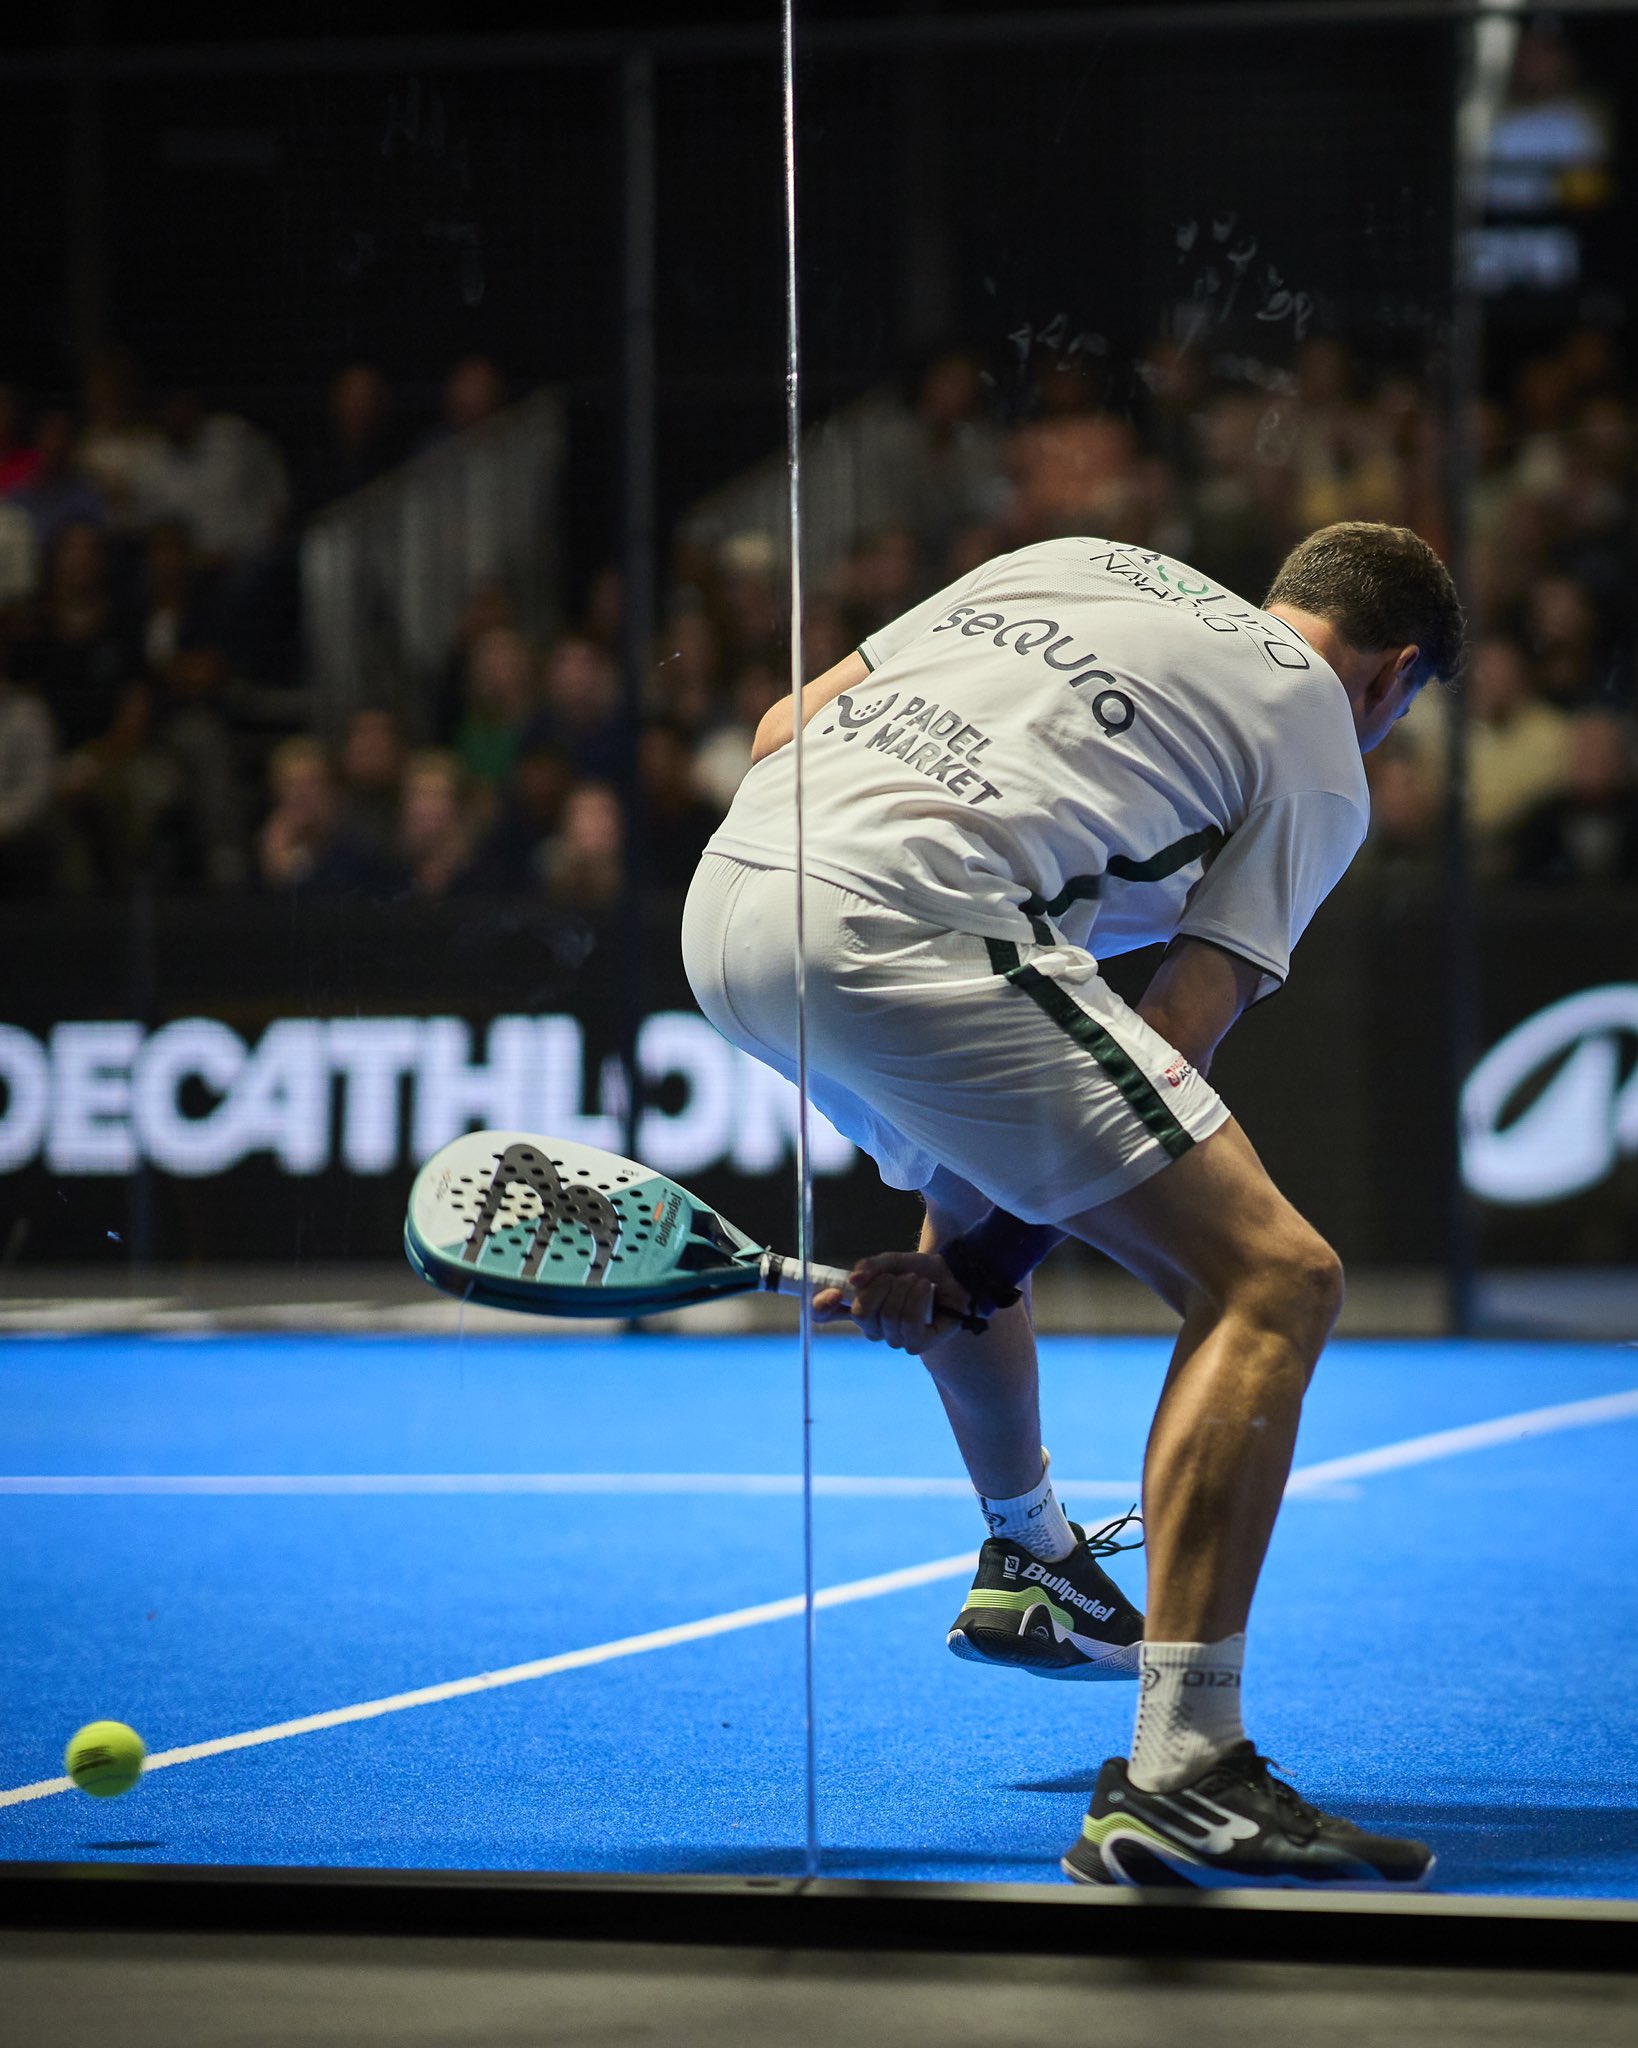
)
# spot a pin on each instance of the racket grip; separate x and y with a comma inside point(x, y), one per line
point(781, 1275)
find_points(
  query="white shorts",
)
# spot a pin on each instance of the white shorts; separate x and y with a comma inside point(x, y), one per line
point(1015, 1067)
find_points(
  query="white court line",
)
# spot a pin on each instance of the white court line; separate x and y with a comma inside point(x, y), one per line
point(836, 1486)
point(1416, 1450)
point(1472, 1436)
point(542, 1667)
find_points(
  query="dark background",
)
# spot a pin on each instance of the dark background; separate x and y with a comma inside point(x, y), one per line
point(248, 202)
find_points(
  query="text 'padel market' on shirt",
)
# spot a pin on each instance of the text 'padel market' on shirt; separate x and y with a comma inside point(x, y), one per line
point(1078, 742)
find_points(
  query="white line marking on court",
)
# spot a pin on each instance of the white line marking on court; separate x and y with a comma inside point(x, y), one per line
point(1416, 1450)
point(1472, 1436)
point(542, 1667)
point(836, 1486)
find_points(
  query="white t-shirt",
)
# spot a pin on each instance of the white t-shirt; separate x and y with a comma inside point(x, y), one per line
point(1079, 742)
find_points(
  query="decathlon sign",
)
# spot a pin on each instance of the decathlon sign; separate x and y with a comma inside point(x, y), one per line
point(1584, 1118)
point(374, 1093)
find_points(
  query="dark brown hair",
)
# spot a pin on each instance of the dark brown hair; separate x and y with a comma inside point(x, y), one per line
point(1380, 586)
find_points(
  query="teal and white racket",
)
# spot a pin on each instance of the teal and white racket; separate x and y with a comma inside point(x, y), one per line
point(510, 1220)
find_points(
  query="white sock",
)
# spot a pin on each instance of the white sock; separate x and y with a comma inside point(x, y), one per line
point(1188, 1711)
point(1034, 1521)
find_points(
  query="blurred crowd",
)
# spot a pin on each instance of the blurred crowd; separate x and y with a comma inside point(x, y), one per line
point(153, 720)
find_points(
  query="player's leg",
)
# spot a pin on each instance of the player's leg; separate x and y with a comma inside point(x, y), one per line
point(1258, 1290)
point(1039, 1602)
point(989, 1384)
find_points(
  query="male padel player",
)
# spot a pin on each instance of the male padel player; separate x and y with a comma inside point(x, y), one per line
point(1079, 749)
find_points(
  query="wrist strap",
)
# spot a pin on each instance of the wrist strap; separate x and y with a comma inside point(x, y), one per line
point(995, 1255)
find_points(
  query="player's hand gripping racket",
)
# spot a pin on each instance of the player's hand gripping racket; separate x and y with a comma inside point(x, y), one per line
point(510, 1220)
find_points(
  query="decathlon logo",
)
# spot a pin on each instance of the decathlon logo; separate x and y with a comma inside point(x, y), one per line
point(374, 1093)
point(1551, 1110)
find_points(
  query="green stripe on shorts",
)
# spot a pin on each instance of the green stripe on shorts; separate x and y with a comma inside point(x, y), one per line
point(1091, 1036)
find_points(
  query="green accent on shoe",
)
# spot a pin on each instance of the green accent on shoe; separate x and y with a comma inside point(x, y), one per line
point(987, 1596)
point(1097, 1832)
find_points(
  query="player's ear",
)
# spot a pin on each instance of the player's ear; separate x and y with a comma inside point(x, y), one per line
point(1398, 667)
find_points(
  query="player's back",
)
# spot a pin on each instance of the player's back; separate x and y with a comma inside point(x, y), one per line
point(1064, 739)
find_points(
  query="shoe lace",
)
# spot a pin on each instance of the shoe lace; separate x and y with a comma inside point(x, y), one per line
point(1300, 1816)
point(1102, 1543)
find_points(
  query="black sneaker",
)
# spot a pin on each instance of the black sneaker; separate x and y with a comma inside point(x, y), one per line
point(1062, 1620)
point(1232, 1825)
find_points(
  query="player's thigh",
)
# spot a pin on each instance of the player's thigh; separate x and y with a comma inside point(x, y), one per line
point(1213, 1224)
point(952, 1205)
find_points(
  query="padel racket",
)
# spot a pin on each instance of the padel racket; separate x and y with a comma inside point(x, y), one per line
point(511, 1220)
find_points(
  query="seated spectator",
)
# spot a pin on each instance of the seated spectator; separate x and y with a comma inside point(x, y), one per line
point(84, 660)
point(1173, 376)
point(1589, 833)
point(57, 495)
point(585, 862)
point(474, 391)
point(488, 604)
point(826, 638)
point(881, 578)
point(434, 832)
point(1509, 558)
point(687, 672)
point(361, 441)
point(221, 477)
point(373, 753)
point(115, 439)
point(19, 555)
point(1407, 805)
point(601, 620)
point(1340, 454)
point(1072, 468)
point(753, 597)
point(581, 708)
point(724, 758)
point(306, 843)
point(676, 820)
point(200, 790)
point(28, 774)
point(954, 474)
point(1517, 747)
point(1240, 510)
point(510, 857)
point(19, 458)
point(500, 700)
point(1563, 632)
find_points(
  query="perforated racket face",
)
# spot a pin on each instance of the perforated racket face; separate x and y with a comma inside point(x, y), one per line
point(542, 1223)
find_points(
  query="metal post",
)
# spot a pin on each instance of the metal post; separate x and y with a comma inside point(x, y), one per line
point(1484, 58)
point(637, 543)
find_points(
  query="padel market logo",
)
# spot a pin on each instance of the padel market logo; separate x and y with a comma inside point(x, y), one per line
point(1553, 1109)
point(372, 1094)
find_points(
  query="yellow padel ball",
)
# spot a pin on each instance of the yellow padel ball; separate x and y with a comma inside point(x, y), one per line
point(105, 1758)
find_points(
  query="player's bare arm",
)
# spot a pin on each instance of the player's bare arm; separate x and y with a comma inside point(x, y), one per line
point(1196, 994)
point(776, 728)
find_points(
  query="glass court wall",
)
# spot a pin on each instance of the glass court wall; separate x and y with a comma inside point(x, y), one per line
point(404, 572)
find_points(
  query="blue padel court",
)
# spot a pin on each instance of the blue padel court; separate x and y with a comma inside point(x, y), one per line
point(518, 1603)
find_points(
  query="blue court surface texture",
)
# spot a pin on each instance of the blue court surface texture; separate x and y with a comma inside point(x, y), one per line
point(212, 1537)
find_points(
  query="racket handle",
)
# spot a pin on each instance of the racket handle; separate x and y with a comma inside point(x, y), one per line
point(781, 1275)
